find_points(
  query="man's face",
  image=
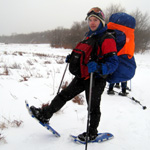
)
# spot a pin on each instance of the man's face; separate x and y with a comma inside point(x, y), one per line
point(93, 23)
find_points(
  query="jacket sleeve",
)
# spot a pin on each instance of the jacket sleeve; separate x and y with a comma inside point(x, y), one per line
point(109, 52)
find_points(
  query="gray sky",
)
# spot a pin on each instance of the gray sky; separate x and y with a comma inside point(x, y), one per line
point(26, 16)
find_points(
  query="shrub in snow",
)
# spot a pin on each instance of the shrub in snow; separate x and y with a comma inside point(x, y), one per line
point(2, 139)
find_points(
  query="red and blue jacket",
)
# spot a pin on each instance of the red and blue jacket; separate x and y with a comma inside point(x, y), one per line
point(107, 52)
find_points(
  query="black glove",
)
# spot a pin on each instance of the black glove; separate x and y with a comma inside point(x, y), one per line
point(68, 58)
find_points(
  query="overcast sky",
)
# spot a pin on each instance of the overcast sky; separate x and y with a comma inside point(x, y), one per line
point(26, 16)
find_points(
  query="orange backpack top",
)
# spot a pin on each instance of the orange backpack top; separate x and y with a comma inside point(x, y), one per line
point(129, 46)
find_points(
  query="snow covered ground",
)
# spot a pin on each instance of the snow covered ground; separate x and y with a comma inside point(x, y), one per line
point(34, 72)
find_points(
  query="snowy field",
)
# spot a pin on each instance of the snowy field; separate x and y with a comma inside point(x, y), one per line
point(34, 72)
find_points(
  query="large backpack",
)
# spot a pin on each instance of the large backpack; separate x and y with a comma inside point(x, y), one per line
point(122, 26)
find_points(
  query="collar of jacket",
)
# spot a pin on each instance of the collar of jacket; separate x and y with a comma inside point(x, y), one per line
point(99, 31)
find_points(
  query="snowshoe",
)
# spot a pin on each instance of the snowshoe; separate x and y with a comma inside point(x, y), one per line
point(39, 117)
point(100, 138)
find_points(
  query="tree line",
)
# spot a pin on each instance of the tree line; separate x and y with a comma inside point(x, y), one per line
point(68, 38)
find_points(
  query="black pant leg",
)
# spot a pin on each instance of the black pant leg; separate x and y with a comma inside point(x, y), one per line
point(124, 86)
point(73, 89)
point(95, 113)
point(111, 86)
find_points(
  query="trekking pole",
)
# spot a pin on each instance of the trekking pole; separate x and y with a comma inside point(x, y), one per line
point(132, 98)
point(62, 79)
point(130, 85)
point(89, 107)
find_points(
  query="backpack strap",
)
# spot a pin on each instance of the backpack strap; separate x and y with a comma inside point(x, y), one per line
point(107, 35)
point(98, 44)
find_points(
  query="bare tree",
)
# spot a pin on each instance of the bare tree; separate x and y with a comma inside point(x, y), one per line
point(77, 32)
point(113, 8)
point(142, 31)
